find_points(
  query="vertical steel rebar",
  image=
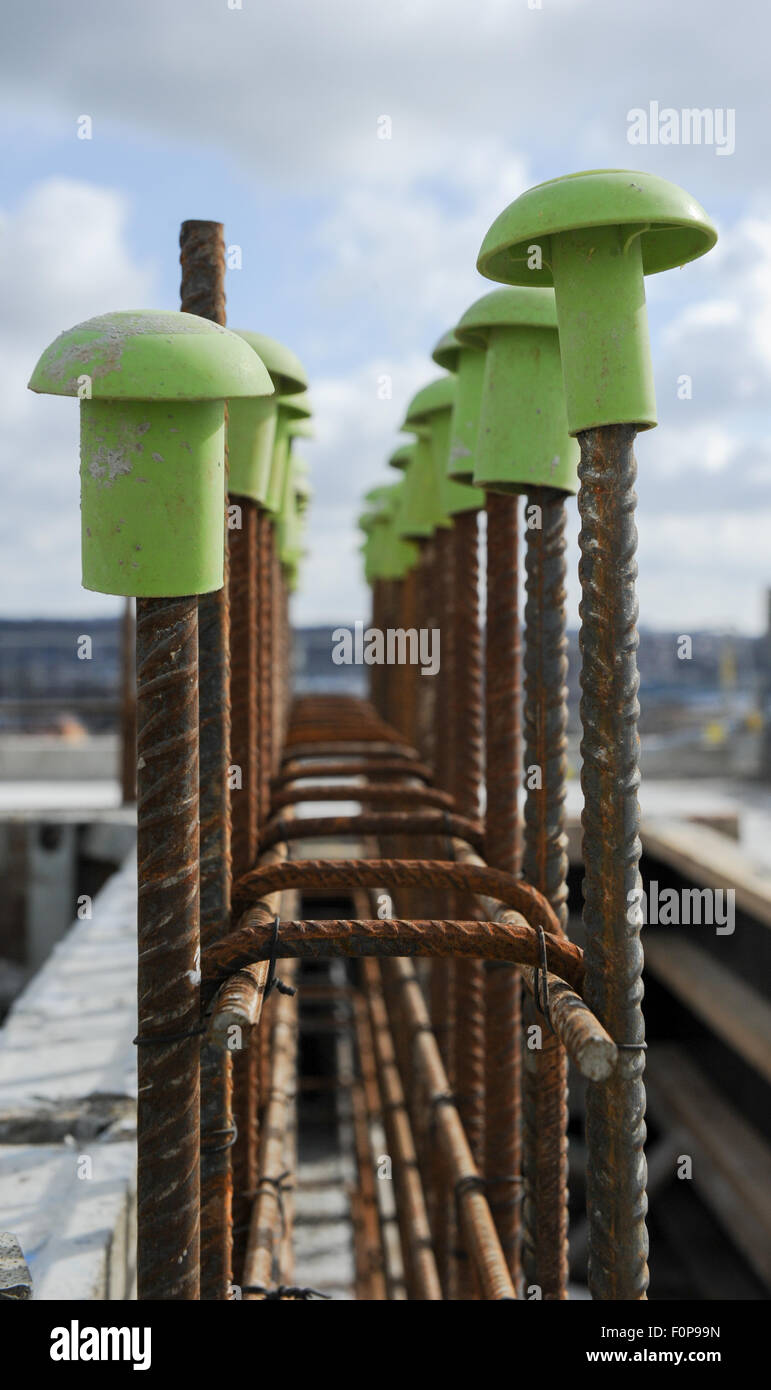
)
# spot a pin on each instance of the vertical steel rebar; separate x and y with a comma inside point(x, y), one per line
point(265, 650)
point(168, 987)
point(503, 762)
point(128, 766)
point(615, 1109)
point(545, 866)
point(469, 976)
point(202, 292)
point(244, 708)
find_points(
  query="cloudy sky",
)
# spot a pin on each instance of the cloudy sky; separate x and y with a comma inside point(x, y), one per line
point(359, 251)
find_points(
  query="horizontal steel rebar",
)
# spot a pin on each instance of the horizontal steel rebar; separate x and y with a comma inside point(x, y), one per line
point(396, 873)
point(511, 939)
point(384, 823)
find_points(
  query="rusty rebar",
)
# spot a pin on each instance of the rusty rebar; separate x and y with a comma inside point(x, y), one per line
point(615, 1109)
point(545, 863)
point(202, 292)
point(510, 938)
point(503, 759)
point(582, 1035)
point(262, 1263)
point(343, 874)
point(465, 1182)
point(365, 767)
point(400, 823)
point(128, 714)
point(381, 794)
point(418, 1256)
point(265, 648)
point(365, 1100)
point(468, 977)
point(168, 1130)
point(244, 703)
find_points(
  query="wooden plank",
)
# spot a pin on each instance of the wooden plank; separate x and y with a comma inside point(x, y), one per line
point(710, 859)
point(726, 823)
point(731, 1009)
point(731, 1161)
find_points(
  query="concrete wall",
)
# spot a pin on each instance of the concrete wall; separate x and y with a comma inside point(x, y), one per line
point(67, 1107)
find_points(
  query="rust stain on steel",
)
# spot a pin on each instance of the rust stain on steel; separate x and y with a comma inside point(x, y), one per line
point(262, 1263)
point(244, 710)
point(386, 823)
point(588, 1044)
point(202, 292)
point(512, 939)
point(352, 747)
point(387, 794)
point(466, 1185)
point(365, 1106)
point(503, 760)
point(615, 1123)
point(168, 945)
point(466, 722)
point(202, 255)
point(370, 873)
point(239, 1002)
point(414, 1230)
point(546, 865)
point(264, 661)
point(365, 767)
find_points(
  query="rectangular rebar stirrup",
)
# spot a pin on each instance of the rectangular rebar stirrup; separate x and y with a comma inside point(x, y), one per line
point(512, 940)
point(386, 823)
point(401, 873)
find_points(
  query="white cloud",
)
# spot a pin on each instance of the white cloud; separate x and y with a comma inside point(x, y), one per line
point(63, 258)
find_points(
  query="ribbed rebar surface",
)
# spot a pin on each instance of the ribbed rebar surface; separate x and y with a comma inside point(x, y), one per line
point(545, 864)
point(202, 292)
point(503, 759)
point(168, 949)
point(616, 1170)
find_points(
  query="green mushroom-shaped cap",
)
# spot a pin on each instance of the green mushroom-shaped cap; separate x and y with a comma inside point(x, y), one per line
point(402, 457)
point(286, 370)
point(382, 498)
point(300, 429)
point(295, 407)
point(523, 307)
point(672, 226)
point(447, 351)
point(151, 355)
point(438, 395)
point(302, 483)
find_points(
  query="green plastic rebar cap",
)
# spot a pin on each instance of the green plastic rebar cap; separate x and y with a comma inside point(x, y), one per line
point(150, 355)
point(522, 439)
point(438, 395)
point(673, 228)
point(300, 429)
point(420, 509)
point(402, 456)
point(521, 308)
point(594, 236)
point(296, 407)
point(447, 351)
point(429, 414)
point(286, 370)
point(251, 430)
point(152, 388)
